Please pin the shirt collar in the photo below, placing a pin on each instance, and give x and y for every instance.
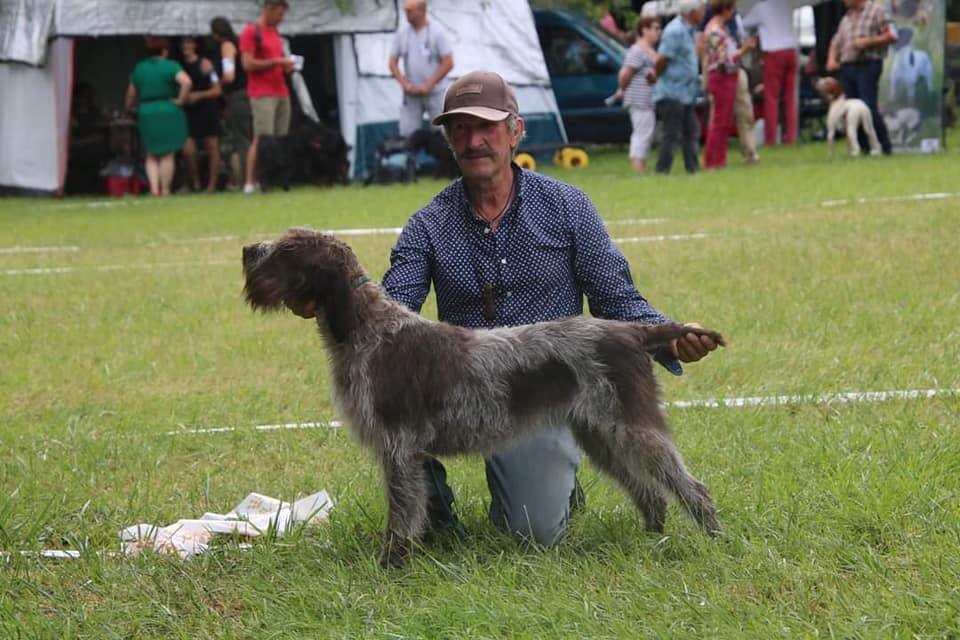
(520, 184)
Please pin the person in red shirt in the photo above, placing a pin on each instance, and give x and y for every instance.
(262, 57)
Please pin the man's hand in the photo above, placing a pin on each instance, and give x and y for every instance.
(287, 65)
(692, 347)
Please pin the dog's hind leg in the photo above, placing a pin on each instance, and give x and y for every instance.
(852, 132)
(871, 132)
(655, 452)
(406, 507)
(646, 494)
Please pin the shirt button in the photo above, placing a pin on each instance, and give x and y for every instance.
(486, 230)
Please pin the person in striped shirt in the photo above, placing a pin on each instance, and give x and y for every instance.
(635, 88)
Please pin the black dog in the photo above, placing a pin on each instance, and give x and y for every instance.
(311, 154)
(432, 142)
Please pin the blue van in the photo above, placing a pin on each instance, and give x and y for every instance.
(583, 61)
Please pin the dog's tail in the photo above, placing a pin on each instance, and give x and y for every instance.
(659, 336)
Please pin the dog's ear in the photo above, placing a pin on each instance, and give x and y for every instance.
(319, 274)
(338, 305)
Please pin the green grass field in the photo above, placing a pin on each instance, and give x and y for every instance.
(841, 520)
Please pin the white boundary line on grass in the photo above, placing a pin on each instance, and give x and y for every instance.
(40, 271)
(611, 223)
(51, 249)
(903, 198)
(849, 397)
(112, 267)
(829, 398)
(912, 197)
(661, 238)
(288, 426)
(368, 231)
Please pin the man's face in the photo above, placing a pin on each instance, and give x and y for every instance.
(481, 147)
(273, 14)
(416, 12)
(698, 14)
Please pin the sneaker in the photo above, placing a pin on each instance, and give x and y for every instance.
(249, 188)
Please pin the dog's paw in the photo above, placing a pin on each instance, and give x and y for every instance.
(394, 553)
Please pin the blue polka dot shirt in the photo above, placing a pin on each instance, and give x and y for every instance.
(548, 251)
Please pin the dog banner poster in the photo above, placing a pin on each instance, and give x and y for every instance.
(911, 87)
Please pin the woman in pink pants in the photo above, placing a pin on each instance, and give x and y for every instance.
(774, 20)
(722, 67)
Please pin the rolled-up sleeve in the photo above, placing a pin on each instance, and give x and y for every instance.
(408, 279)
(603, 272)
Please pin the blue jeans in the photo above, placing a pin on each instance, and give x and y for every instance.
(679, 126)
(532, 485)
(862, 80)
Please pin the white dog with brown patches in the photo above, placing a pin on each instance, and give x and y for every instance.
(848, 114)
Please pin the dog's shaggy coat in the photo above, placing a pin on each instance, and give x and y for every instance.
(409, 386)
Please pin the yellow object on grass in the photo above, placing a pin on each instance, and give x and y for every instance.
(526, 161)
(571, 158)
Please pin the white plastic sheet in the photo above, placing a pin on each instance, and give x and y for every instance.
(254, 516)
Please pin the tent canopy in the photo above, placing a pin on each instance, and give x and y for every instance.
(27, 25)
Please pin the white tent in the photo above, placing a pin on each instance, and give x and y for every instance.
(37, 54)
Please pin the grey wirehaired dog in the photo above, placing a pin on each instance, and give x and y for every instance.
(409, 386)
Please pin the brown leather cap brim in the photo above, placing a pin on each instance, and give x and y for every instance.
(484, 113)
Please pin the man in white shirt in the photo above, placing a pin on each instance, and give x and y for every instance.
(427, 59)
(778, 42)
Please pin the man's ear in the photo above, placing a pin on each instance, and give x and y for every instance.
(518, 134)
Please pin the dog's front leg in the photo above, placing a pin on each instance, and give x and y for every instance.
(406, 507)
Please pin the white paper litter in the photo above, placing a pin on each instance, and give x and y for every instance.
(253, 516)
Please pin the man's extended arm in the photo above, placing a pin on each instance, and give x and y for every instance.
(604, 276)
(408, 279)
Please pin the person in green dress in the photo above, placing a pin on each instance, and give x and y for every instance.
(159, 87)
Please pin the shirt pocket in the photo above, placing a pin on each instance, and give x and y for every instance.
(544, 265)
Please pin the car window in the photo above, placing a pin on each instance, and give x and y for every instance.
(568, 53)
